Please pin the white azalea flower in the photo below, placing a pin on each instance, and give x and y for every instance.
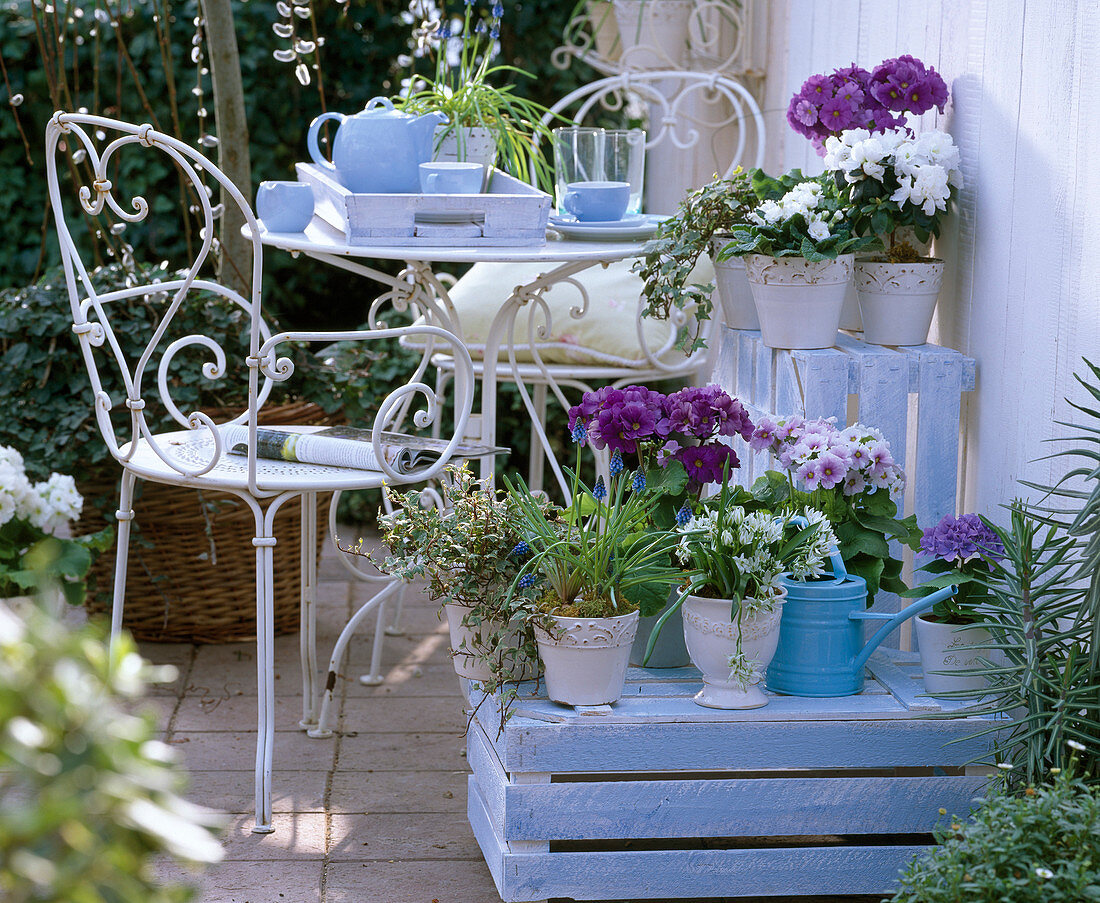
(818, 230)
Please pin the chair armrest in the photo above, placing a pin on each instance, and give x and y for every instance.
(395, 405)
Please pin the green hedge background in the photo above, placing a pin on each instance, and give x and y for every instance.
(363, 39)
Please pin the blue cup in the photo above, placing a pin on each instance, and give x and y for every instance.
(284, 206)
(592, 202)
(448, 177)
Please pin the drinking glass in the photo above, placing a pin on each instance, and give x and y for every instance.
(599, 155)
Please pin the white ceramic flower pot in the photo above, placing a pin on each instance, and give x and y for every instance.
(849, 313)
(466, 145)
(798, 301)
(605, 29)
(467, 642)
(941, 649)
(654, 33)
(712, 638)
(586, 658)
(897, 300)
(734, 291)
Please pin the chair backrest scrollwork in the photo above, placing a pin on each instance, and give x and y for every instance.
(103, 142)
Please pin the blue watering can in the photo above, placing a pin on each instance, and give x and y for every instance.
(821, 651)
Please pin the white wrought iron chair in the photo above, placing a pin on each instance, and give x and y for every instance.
(196, 455)
(682, 110)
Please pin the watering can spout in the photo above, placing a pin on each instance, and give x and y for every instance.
(894, 621)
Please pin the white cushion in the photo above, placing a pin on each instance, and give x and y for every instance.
(606, 334)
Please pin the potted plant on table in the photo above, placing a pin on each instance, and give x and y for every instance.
(465, 545)
(595, 566)
(736, 550)
(680, 442)
(799, 253)
(899, 188)
(485, 123)
(951, 637)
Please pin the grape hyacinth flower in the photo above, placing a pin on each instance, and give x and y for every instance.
(616, 466)
(521, 549)
(638, 485)
(526, 581)
(683, 516)
(599, 491)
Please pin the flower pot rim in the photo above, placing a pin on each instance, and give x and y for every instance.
(630, 614)
(924, 261)
(929, 618)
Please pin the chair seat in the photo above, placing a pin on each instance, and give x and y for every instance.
(193, 448)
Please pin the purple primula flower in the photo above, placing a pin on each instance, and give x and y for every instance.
(809, 475)
(667, 452)
(764, 436)
(817, 86)
(831, 470)
(837, 114)
(707, 463)
(804, 111)
(961, 539)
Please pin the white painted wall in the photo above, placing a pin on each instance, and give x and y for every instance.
(1022, 291)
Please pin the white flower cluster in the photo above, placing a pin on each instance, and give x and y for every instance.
(802, 200)
(926, 167)
(48, 505)
(752, 542)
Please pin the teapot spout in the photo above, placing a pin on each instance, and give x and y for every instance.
(894, 621)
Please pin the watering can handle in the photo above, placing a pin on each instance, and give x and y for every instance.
(893, 621)
(835, 559)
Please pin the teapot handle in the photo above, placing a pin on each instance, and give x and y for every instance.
(378, 102)
(311, 139)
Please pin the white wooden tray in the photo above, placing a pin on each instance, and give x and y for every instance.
(512, 213)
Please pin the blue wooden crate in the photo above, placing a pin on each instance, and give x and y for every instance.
(657, 798)
(915, 395)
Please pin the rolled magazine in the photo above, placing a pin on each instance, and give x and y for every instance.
(347, 446)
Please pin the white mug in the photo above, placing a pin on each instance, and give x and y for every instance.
(446, 177)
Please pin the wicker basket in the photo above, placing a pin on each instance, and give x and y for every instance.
(192, 567)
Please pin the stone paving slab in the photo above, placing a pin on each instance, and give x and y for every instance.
(373, 815)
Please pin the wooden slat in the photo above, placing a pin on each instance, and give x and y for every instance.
(935, 470)
(492, 847)
(492, 781)
(664, 874)
(824, 382)
(597, 746)
(757, 807)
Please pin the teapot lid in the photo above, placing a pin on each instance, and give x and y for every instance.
(383, 108)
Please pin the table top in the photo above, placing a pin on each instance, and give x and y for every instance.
(321, 237)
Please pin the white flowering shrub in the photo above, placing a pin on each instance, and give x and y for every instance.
(31, 515)
(809, 221)
(893, 183)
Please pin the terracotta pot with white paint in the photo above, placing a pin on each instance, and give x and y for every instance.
(942, 649)
(897, 300)
(712, 639)
(734, 291)
(586, 658)
(799, 301)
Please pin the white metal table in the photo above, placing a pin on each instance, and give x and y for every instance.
(419, 288)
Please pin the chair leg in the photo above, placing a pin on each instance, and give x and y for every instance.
(536, 462)
(394, 628)
(374, 678)
(124, 515)
(265, 672)
(308, 634)
(378, 600)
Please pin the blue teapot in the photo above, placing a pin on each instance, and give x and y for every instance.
(379, 150)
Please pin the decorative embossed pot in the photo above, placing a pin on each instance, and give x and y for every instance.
(944, 647)
(799, 301)
(712, 638)
(586, 658)
(470, 644)
(896, 300)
